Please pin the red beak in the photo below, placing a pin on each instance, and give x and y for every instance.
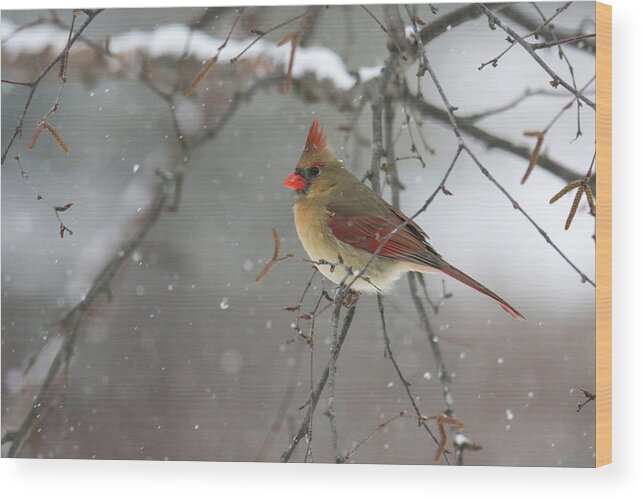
(295, 182)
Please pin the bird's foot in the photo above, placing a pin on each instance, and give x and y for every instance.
(350, 298)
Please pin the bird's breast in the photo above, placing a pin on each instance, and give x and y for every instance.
(313, 231)
(320, 244)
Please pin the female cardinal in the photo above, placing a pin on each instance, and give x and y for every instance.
(338, 218)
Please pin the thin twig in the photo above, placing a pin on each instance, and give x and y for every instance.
(488, 139)
(332, 373)
(383, 28)
(56, 209)
(205, 70)
(77, 315)
(458, 134)
(443, 373)
(473, 118)
(418, 43)
(261, 34)
(303, 429)
(563, 55)
(33, 84)
(563, 41)
(517, 14)
(380, 427)
(494, 61)
(540, 135)
(407, 386)
(556, 79)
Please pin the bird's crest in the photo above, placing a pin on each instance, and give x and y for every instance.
(316, 140)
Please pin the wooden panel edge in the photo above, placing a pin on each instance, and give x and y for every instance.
(603, 234)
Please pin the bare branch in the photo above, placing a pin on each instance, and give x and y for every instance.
(205, 70)
(490, 140)
(556, 79)
(563, 55)
(33, 84)
(512, 43)
(394, 39)
(378, 429)
(516, 14)
(407, 386)
(458, 134)
(563, 41)
(74, 320)
(540, 135)
(76, 317)
(303, 429)
(260, 34)
(332, 373)
(56, 209)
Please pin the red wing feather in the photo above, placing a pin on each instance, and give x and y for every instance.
(409, 244)
(367, 231)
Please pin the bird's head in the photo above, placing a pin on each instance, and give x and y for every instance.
(318, 170)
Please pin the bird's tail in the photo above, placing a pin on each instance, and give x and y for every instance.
(450, 270)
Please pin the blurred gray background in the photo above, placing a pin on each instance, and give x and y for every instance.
(194, 360)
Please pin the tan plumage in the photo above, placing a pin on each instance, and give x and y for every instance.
(338, 218)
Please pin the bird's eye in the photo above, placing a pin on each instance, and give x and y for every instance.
(314, 171)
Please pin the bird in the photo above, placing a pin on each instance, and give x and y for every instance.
(341, 220)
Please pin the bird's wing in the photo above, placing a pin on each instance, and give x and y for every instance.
(366, 232)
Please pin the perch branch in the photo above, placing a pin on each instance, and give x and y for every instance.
(303, 429)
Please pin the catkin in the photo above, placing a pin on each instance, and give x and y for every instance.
(590, 197)
(200, 76)
(572, 212)
(36, 135)
(57, 137)
(534, 155)
(565, 190)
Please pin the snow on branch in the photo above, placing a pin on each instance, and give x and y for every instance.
(169, 41)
